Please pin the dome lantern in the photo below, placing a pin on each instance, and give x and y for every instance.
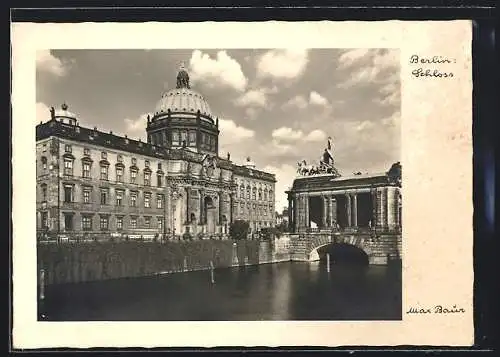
(182, 78)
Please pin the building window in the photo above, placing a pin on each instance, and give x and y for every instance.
(68, 193)
(133, 222)
(147, 200)
(119, 174)
(175, 137)
(242, 191)
(86, 151)
(134, 161)
(159, 180)
(119, 158)
(192, 138)
(265, 194)
(86, 195)
(159, 222)
(242, 208)
(119, 223)
(68, 221)
(248, 192)
(67, 148)
(133, 199)
(133, 176)
(104, 223)
(104, 196)
(159, 201)
(260, 194)
(86, 223)
(159, 166)
(104, 155)
(270, 195)
(104, 172)
(44, 163)
(119, 197)
(45, 220)
(254, 193)
(147, 179)
(146, 163)
(44, 147)
(68, 167)
(44, 192)
(183, 137)
(147, 222)
(86, 169)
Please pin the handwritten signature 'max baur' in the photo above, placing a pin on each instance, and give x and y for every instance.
(438, 309)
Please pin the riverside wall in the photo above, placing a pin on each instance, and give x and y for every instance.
(72, 262)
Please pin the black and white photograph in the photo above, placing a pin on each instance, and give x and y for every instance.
(218, 184)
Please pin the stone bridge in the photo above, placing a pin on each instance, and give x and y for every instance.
(380, 248)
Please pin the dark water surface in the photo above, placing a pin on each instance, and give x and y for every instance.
(282, 291)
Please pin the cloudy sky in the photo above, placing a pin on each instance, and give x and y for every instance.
(276, 106)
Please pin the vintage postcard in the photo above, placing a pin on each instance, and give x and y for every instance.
(242, 184)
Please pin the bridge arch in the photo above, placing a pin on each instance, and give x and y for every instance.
(318, 243)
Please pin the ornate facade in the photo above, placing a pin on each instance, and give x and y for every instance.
(320, 200)
(90, 182)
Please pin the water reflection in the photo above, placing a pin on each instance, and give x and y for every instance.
(284, 291)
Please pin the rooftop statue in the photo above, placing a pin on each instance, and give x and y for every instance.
(325, 165)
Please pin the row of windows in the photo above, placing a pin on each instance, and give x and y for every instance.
(134, 222)
(104, 155)
(104, 197)
(256, 194)
(261, 210)
(104, 172)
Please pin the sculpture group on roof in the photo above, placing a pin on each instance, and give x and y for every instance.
(326, 164)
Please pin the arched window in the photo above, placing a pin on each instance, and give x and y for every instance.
(242, 191)
(44, 163)
(265, 194)
(248, 192)
(260, 194)
(254, 193)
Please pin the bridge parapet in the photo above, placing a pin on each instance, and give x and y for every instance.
(380, 248)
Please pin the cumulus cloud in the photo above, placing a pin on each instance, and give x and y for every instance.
(285, 174)
(368, 66)
(296, 102)
(136, 128)
(287, 134)
(256, 97)
(46, 62)
(315, 135)
(317, 99)
(286, 64)
(223, 69)
(42, 113)
(233, 133)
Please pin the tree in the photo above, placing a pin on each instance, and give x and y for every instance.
(238, 230)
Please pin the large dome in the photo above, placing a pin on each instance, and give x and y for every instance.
(183, 100)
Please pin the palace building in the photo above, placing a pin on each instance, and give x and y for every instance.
(92, 183)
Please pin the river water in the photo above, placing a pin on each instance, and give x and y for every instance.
(281, 291)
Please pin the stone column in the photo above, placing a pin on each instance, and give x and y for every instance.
(231, 203)
(333, 211)
(325, 211)
(374, 208)
(306, 206)
(330, 211)
(289, 212)
(348, 209)
(201, 219)
(386, 207)
(221, 199)
(392, 207)
(295, 218)
(354, 210)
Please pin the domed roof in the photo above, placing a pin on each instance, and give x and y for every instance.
(183, 98)
(63, 112)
